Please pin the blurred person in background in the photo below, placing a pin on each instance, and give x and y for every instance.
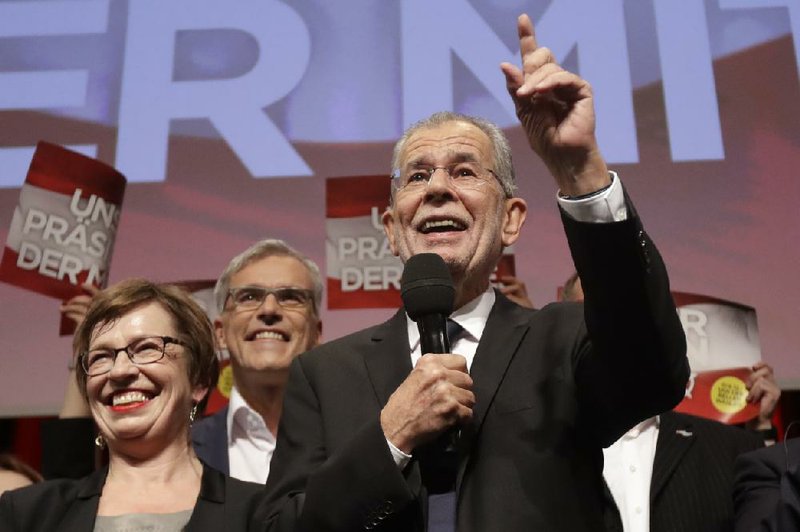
(767, 488)
(14, 473)
(674, 471)
(514, 289)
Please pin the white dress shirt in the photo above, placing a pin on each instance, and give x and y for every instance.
(605, 207)
(250, 443)
(472, 318)
(628, 470)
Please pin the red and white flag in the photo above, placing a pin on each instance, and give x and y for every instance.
(361, 270)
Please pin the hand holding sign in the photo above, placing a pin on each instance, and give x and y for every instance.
(764, 391)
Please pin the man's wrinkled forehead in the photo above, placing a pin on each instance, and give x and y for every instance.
(451, 156)
(451, 142)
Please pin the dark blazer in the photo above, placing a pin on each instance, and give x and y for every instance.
(548, 398)
(692, 480)
(767, 489)
(210, 440)
(224, 503)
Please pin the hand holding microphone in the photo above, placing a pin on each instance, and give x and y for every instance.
(437, 394)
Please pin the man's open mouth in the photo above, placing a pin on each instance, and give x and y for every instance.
(441, 226)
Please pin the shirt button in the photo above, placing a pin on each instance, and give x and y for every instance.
(638, 509)
(632, 468)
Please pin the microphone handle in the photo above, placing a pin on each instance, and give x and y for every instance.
(433, 339)
(433, 334)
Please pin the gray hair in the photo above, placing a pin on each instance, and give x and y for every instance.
(270, 247)
(503, 166)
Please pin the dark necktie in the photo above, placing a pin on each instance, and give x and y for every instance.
(454, 331)
(439, 465)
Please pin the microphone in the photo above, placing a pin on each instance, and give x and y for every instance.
(428, 294)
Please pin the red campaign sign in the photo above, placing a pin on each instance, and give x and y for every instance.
(720, 334)
(346, 197)
(722, 345)
(63, 228)
(362, 272)
(720, 395)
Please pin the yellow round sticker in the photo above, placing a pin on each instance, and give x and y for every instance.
(225, 381)
(729, 394)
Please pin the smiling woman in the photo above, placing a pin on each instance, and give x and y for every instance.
(148, 360)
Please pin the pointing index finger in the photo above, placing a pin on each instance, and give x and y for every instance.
(527, 36)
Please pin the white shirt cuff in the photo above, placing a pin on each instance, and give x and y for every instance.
(400, 458)
(606, 207)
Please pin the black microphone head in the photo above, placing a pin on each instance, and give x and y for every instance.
(427, 286)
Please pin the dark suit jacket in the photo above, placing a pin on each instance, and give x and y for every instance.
(692, 478)
(224, 503)
(547, 398)
(767, 489)
(210, 440)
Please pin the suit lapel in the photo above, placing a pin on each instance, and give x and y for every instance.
(209, 509)
(504, 331)
(505, 328)
(83, 512)
(389, 361)
(675, 437)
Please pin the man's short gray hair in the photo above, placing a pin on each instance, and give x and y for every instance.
(503, 166)
(270, 247)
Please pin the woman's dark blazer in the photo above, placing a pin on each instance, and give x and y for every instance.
(69, 505)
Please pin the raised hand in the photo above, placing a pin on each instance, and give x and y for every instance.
(556, 109)
(76, 307)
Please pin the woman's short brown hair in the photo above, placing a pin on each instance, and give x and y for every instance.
(191, 324)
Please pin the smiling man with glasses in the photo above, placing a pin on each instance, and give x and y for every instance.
(268, 298)
(532, 396)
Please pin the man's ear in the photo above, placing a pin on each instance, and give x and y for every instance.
(514, 218)
(388, 228)
(219, 333)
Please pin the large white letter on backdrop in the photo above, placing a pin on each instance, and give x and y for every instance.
(151, 98)
(598, 33)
